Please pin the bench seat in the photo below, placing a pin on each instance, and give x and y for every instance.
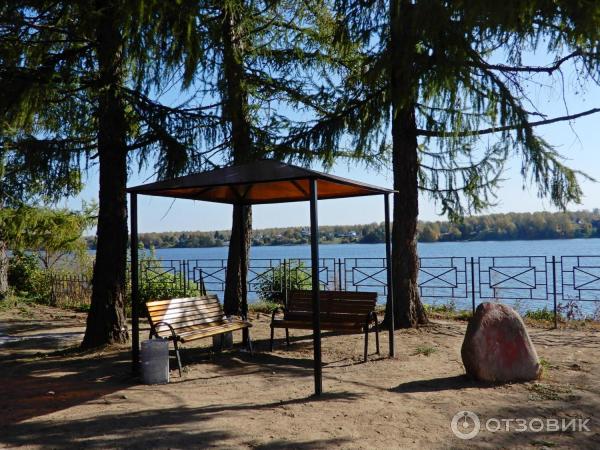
(344, 312)
(199, 332)
(187, 319)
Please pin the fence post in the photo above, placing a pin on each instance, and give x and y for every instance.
(340, 274)
(473, 283)
(284, 283)
(554, 290)
(184, 274)
(53, 300)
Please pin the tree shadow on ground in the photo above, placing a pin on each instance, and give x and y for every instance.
(552, 338)
(306, 445)
(299, 339)
(18, 342)
(538, 434)
(456, 382)
(46, 341)
(240, 363)
(39, 386)
(168, 427)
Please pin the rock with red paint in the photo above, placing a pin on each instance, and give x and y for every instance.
(497, 347)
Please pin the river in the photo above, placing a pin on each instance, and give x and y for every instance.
(521, 273)
(558, 247)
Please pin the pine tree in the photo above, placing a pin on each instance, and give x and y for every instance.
(428, 87)
(264, 59)
(79, 78)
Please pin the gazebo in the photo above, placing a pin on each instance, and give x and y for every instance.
(262, 182)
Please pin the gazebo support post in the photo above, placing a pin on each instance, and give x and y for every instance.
(243, 276)
(135, 315)
(388, 261)
(314, 253)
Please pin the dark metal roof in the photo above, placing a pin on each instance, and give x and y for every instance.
(265, 181)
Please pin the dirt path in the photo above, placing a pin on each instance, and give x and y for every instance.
(234, 400)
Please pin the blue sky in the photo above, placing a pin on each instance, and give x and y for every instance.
(577, 141)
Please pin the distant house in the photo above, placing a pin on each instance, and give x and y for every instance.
(349, 234)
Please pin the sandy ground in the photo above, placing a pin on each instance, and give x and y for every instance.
(67, 399)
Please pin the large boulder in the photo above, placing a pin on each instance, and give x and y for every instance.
(497, 347)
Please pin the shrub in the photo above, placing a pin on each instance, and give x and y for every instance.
(263, 306)
(540, 314)
(21, 270)
(161, 285)
(28, 279)
(570, 309)
(270, 288)
(444, 308)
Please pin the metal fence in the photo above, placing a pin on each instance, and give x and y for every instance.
(566, 285)
(69, 290)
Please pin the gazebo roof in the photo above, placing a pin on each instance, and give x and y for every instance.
(265, 181)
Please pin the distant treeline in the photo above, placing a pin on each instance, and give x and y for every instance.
(503, 227)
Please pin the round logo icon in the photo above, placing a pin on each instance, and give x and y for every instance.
(465, 425)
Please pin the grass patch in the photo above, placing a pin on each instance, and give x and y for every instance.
(449, 307)
(546, 365)
(542, 443)
(82, 307)
(542, 391)
(446, 311)
(425, 350)
(18, 304)
(263, 306)
(543, 314)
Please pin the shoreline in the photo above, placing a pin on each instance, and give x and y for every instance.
(381, 243)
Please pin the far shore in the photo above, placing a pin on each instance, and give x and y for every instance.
(382, 242)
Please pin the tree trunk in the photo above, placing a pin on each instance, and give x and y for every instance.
(235, 111)
(106, 320)
(409, 311)
(3, 270)
(233, 285)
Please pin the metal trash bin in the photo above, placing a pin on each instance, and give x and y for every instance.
(222, 342)
(155, 361)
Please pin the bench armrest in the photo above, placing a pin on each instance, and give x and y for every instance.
(234, 317)
(162, 322)
(371, 317)
(275, 311)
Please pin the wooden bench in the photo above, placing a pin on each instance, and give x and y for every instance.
(346, 312)
(187, 319)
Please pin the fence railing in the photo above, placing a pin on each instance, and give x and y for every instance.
(69, 290)
(567, 285)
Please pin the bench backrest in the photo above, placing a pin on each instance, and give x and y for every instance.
(333, 302)
(182, 313)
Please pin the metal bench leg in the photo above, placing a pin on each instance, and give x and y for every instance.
(366, 342)
(177, 355)
(374, 317)
(245, 336)
(250, 349)
(287, 336)
(272, 336)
